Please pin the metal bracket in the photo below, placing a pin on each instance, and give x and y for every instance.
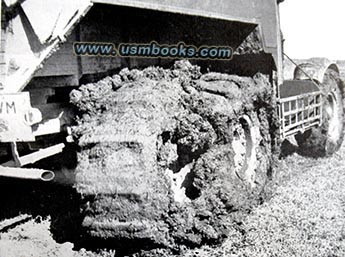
(33, 157)
(15, 155)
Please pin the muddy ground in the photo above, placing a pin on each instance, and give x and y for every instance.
(304, 215)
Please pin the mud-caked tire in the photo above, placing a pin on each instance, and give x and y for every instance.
(326, 139)
(252, 146)
(170, 155)
(237, 172)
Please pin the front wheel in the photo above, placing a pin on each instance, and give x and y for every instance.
(326, 139)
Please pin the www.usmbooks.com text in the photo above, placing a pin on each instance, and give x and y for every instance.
(153, 50)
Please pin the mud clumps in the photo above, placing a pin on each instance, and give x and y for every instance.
(156, 160)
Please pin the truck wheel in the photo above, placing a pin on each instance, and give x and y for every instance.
(170, 155)
(252, 154)
(246, 146)
(326, 139)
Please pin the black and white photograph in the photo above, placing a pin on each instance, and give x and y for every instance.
(172, 128)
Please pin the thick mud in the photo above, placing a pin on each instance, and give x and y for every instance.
(157, 167)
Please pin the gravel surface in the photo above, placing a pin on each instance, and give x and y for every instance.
(305, 215)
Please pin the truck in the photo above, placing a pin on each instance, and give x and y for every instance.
(161, 156)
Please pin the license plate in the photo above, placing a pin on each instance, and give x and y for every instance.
(16, 117)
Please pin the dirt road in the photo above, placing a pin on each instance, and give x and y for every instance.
(304, 216)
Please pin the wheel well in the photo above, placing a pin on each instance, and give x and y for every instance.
(334, 67)
(316, 69)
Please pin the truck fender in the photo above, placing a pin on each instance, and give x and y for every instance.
(315, 69)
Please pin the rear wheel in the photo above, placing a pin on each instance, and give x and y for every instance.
(166, 162)
(246, 144)
(326, 139)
